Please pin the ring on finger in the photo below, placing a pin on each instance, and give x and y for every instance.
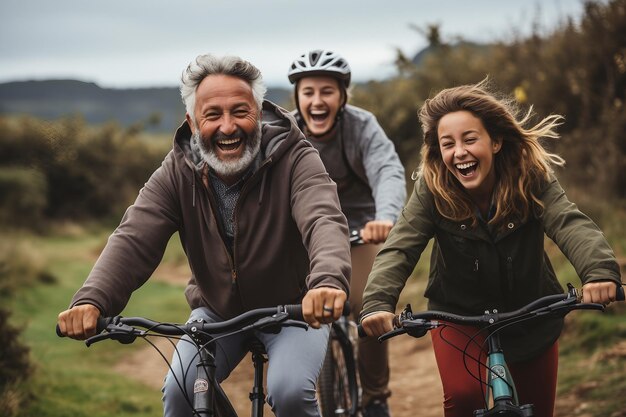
(328, 309)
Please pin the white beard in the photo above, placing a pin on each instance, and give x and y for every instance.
(229, 168)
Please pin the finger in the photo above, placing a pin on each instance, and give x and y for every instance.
(307, 311)
(89, 325)
(338, 306)
(366, 234)
(61, 323)
(318, 309)
(612, 293)
(587, 294)
(366, 324)
(75, 329)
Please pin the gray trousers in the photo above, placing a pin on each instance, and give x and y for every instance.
(295, 357)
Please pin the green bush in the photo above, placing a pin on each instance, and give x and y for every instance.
(24, 196)
(67, 170)
(15, 368)
(21, 265)
(577, 70)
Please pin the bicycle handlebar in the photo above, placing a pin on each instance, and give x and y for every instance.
(257, 318)
(121, 328)
(417, 324)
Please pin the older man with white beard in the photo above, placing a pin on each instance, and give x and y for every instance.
(261, 225)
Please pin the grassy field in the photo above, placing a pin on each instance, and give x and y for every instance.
(71, 380)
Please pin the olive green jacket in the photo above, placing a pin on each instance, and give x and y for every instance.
(473, 268)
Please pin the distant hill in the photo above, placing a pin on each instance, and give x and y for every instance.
(419, 58)
(52, 99)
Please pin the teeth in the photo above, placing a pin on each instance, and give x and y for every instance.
(229, 141)
(318, 112)
(465, 165)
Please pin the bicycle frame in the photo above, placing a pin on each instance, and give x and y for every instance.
(341, 333)
(209, 399)
(500, 385)
(338, 384)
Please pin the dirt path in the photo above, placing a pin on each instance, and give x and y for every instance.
(414, 383)
(414, 377)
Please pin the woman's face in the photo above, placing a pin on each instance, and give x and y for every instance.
(319, 99)
(468, 152)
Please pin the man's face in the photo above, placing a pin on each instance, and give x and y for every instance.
(228, 124)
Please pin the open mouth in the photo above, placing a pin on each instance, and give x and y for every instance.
(466, 169)
(319, 115)
(229, 144)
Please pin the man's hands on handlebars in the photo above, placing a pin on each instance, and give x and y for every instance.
(376, 231)
(323, 305)
(378, 323)
(79, 322)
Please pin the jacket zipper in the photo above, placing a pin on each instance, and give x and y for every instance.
(233, 271)
(244, 189)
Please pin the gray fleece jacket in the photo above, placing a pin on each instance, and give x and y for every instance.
(370, 155)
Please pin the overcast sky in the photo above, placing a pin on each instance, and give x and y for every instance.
(144, 43)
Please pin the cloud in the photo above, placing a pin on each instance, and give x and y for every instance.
(149, 42)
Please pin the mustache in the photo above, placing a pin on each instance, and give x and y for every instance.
(238, 133)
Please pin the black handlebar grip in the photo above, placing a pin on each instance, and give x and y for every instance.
(346, 309)
(620, 293)
(102, 323)
(361, 331)
(294, 311)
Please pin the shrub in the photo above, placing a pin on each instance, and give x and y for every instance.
(15, 367)
(23, 193)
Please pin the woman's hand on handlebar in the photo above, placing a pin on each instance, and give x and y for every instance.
(376, 231)
(379, 323)
(601, 292)
(79, 322)
(323, 305)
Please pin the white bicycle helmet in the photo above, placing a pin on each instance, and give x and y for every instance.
(320, 62)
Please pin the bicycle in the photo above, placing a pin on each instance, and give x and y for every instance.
(209, 398)
(338, 384)
(500, 388)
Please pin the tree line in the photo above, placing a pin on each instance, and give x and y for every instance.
(578, 71)
(68, 170)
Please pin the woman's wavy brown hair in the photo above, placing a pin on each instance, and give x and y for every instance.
(521, 165)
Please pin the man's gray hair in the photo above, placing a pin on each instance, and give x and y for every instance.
(205, 65)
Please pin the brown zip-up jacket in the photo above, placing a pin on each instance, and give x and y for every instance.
(290, 234)
(473, 269)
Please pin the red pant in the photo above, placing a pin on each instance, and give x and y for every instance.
(535, 379)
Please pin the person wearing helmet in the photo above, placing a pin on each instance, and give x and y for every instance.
(363, 162)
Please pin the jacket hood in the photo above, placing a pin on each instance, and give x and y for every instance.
(279, 131)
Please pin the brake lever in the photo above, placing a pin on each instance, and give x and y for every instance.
(296, 323)
(418, 328)
(591, 306)
(97, 338)
(119, 332)
(393, 333)
(271, 324)
(123, 338)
